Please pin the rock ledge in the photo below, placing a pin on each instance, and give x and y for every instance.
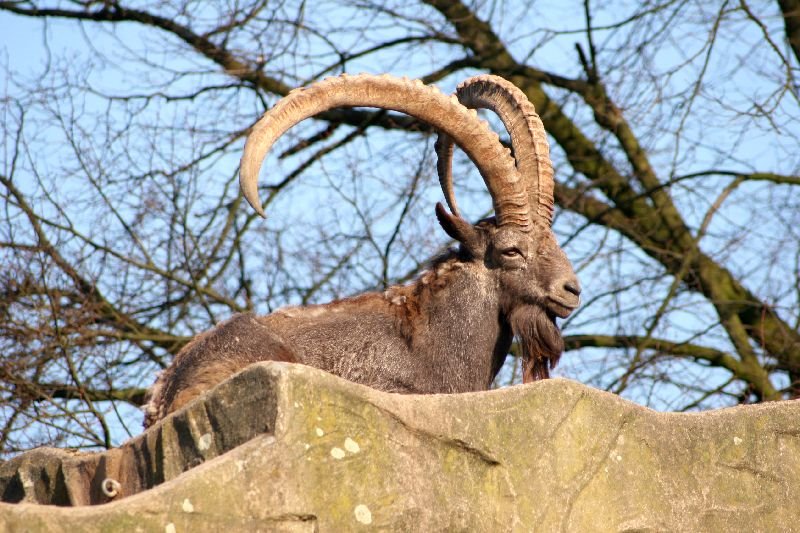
(284, 447)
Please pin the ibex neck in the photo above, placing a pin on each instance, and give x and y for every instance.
(460, 329)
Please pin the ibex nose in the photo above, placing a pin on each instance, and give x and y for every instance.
(573, 286)
(571, 292)
(565, 295)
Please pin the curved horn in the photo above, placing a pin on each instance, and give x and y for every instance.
(528, 138)
(444, 168)
(427, 103)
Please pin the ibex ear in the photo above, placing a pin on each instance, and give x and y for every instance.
(458, 228)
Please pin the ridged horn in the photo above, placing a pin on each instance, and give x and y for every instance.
(427, 103)
(444, 147)
(528, 139)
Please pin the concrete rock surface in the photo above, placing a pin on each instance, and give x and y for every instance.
(283, 447)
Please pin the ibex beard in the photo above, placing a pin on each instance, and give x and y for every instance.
(539, 338)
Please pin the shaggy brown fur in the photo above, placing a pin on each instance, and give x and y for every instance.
(222, 351)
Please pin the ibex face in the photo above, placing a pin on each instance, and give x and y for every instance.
(534, 270)
(530, 267)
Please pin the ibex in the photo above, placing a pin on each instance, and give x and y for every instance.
(450, 329)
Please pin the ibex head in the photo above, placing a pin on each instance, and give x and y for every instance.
(516, 249)
(536, 279)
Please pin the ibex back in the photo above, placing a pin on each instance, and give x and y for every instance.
(449, 330)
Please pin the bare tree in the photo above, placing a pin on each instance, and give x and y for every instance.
(674, 128)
